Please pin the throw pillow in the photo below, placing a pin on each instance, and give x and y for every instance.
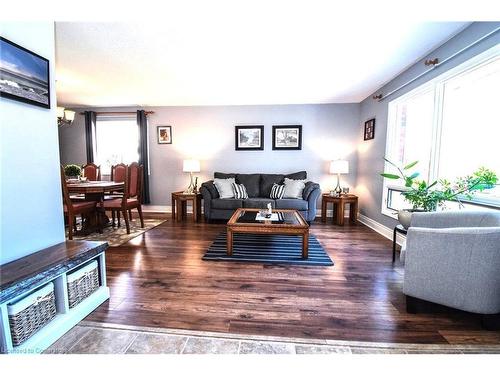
(239, 191)
(294, 188)
(251, 182)
(267, 181)
(277, 191)
(224, 187)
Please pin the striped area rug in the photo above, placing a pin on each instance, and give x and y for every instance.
(274, 249)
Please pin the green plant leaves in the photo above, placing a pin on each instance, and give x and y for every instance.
(390, 175)
(411, 165)
(429, 196)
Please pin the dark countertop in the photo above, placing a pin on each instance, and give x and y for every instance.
(34, 270)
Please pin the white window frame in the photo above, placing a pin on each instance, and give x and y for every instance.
(437, 85)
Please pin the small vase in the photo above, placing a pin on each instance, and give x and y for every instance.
(404, 216)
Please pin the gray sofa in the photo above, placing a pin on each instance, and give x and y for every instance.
(258, 186)
(453, 259)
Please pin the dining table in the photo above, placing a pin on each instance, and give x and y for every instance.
(95, 191)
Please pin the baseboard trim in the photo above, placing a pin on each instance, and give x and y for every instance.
(151, 208)
(381, 229)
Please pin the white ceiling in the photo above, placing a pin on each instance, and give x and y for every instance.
(221, 60)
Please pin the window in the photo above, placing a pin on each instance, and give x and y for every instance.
(117, 141)
(451, 125)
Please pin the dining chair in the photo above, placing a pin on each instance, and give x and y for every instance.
(92, 172)
(73, 208)
(118, 174)
(132, 196)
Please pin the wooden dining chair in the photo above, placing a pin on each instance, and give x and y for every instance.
(118, 172)
(92, 172)
(132, 196)
(73, 208)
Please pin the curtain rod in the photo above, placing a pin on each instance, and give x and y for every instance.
(436, 65)
(118, 113)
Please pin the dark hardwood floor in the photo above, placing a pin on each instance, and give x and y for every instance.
(159, 280)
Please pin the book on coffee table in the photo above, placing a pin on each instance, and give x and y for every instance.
(275, 216)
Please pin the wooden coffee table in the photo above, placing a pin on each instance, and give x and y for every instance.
(243, 221)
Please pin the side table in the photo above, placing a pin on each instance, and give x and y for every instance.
(397, 229)
(179, 205)
(339, 207)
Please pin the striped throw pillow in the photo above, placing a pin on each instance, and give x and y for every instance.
(277, 191)
(240, 192)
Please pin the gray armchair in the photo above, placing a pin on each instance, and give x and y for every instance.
(453, 259)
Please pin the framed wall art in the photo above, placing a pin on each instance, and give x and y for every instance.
(249, 137)
(369, 129)
(287, 137)
(164, 134)
(24, 75)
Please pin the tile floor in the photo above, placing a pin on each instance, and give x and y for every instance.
(98, 338)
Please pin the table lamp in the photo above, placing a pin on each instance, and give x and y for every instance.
(191, 165)
(339, 167)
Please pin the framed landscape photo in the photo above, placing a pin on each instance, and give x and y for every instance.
(24, 75)
(164, 134)
(249, 137)
(369, 129)
(287, 137)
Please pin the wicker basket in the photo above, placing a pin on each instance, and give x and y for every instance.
(31, 313)
(82, 283)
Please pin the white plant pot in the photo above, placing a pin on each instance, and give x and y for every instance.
(404, 217)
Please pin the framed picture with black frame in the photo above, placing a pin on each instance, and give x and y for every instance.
(369, 129)
(24, 75)
(164, 134)
(287, 137)
(249, 138)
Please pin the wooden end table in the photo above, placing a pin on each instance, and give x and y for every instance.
(179, 205)
(243, 221)
(339, 207)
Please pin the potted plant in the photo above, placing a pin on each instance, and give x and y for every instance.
(72, 171)
(425, 196)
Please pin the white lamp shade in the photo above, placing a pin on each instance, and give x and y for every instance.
(69, 115)
(60, 112)
(339, 166)
(191, 165)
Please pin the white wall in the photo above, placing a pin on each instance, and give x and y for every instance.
(31, 203)
(207, 132)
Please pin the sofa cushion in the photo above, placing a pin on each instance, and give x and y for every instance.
(251, 182)
(293, 204)
(224, 175)
(224, 187)
(294, 188)
(302, 175)
(227, 204)
(267, 181)
(209, 185)
(258, 203)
